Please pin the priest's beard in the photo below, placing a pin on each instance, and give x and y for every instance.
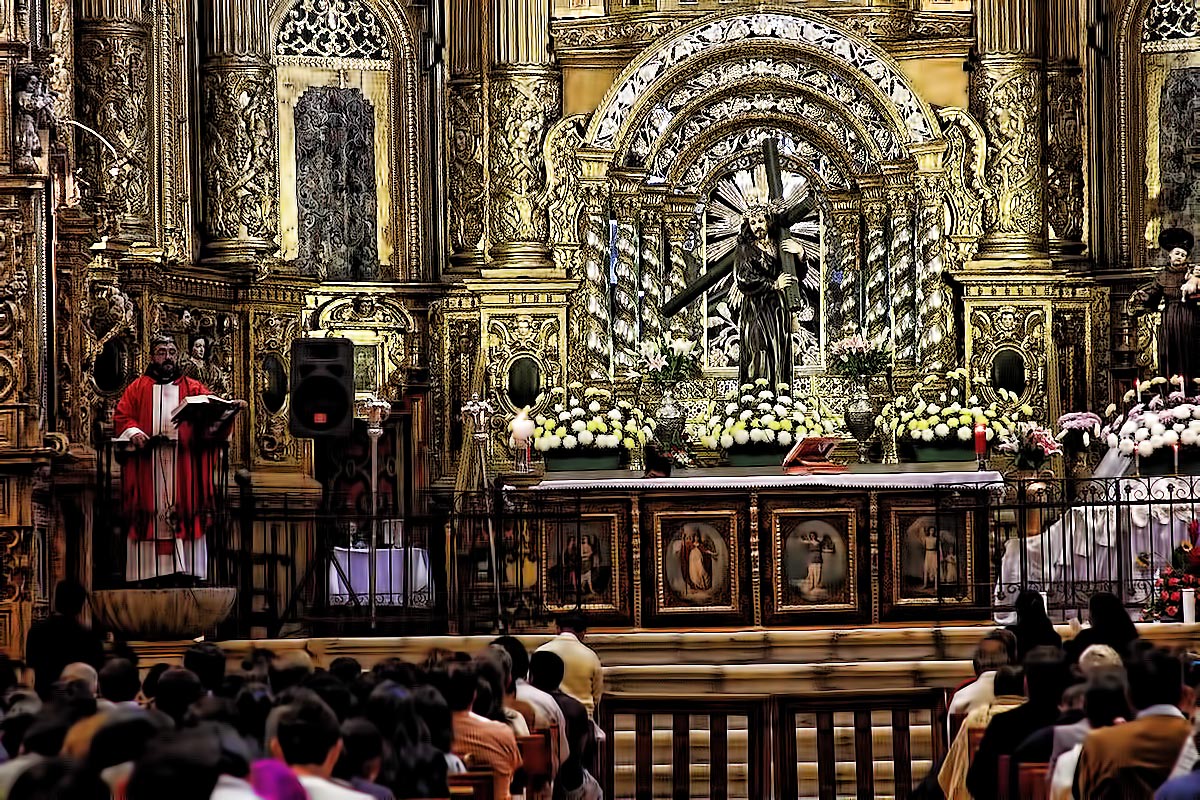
(166, 372)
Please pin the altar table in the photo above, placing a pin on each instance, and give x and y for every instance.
(756, 547)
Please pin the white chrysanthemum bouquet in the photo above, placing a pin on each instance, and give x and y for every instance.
(1162, 416)
(949, 417)
(755, 417)
(588, 419)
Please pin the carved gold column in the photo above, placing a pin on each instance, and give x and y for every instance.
(653, 323)
(626, 207)
(1065, 130)
(847, 215)
(878, 303)
(466, 128)
(1007, 96)
(525, 101)
(902, 283)
(678, 216)
(936, 342)
(239, 140)
(593, 322)
(112, 85)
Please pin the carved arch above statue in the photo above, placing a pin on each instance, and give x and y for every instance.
(806, 36)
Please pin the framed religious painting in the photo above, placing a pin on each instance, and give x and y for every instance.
(582, 563)
(697, 570)
(811, 557)
(929, 552)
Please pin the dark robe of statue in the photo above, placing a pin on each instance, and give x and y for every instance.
(1179, 330)
(765, 325)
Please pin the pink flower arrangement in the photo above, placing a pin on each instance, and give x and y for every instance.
(1032, 444)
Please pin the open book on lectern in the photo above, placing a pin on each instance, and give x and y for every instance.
(205, 412)
(811, 455)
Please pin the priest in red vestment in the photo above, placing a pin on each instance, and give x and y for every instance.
(168, 472)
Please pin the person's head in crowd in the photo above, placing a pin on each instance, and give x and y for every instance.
(1010, 682)
(150, 682)
(57, 779)
(1099, 657)
(46, 735)
(420, 772)
(119, 681)
(435, 713)
(121, 741)
(362, 751)
(84, 673)
(336, 694)
(995, 650)
(1045, 675)
(212, 709)
(517, 655)
(69, 598)
(1110, 619)
(289, 668)
(1106, 701)
(392, 710)
(572, 622)
(254, 703)
(305, 735)
(346, 669)
(490, 669)
(22, 700)
(73, 698)
(460, 686)
(437, 658)
(177, 689)
(256, 666)
(78, 740)
(9, 670)
(12, 731)
(1155, 678)
(179, 766)
(399, 671)
(1072, 698)
(546, 671)
(208, 662)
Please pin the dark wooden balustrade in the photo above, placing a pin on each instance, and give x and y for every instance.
(823, 706)
(718, 709)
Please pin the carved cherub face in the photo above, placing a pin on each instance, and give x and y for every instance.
(199, 348)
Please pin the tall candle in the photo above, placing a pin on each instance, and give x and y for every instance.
(1175, 447)
(980, 440)
(1189, 606)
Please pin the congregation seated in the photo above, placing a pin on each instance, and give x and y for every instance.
(546, 672)
(1033, 627)
(1109, 624)
(1105, 703)
(1009, 688)
(996, 650)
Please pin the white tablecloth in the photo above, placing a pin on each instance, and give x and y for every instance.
(1085, 545)
(402, 576)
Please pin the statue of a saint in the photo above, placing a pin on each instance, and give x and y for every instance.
(760, 281)
(1170, 291)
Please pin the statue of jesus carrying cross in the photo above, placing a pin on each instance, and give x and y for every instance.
(768, 268)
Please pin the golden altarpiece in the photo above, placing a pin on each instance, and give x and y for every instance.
(472, 189)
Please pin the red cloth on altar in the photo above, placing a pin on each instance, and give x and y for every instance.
(195, 465)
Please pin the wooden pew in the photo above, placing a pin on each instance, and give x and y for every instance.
(1003, 768)
(536, 756)
(974, 738)
(1033, 781)
(956, 723)
(480, 784)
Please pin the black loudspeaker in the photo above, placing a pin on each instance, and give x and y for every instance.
(322, 402)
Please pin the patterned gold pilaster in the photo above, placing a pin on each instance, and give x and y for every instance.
(625, 298)
(878, 303)
(112, 96)
(936, 342)
(239, 141)
(900, 266)
(653, 323)
(847, 215)
(679, 216)
(593, 321)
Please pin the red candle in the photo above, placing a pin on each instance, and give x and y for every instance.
(980, 439)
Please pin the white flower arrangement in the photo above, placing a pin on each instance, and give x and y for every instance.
(754, 416)
(952, 415)
(1163, 420)
(588, 419)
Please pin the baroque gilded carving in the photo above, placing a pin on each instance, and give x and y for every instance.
(591, 319)
(112, 92)
(32, 113)
(272, 335)
(966, 154)
(512, 337)
(207, 340)
(1064, 155)
(1007, 95)
(467, 198)
(1019, 328)
(564, 172)
(240, 172)
(334, 29)
(524, 105)
(387, 338)
(937, 343)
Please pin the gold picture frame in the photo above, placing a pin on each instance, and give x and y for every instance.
(707, 541)
(602, 579)
(932, 555)
(824, 542)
